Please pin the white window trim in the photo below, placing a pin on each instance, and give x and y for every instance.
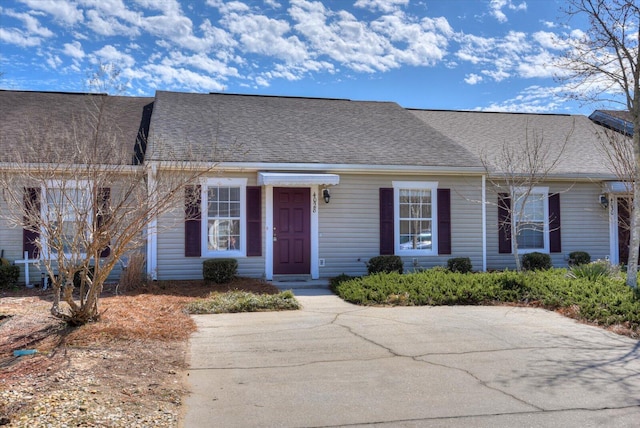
(44, 209)
(223, 182)
(431, 185)
(540, 190)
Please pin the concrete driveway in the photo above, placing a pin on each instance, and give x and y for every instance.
(336, 364)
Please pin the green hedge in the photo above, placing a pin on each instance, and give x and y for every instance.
(606, 301)
(385, 264)
(219, 271)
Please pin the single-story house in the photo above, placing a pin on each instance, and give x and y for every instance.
(310, 187)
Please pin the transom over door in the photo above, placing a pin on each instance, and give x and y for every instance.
(291, 231)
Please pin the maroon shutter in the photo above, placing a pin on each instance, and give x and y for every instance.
(30, 234)
(254, 221)
(555, 241)
(386, 221)
(192, 222)
(104, 201)
(504, 223)
(444, 221)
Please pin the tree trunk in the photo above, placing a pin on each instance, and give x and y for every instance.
(634, 237)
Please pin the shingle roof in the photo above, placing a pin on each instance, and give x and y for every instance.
(53, 126)
(485, 133)
(287, 130)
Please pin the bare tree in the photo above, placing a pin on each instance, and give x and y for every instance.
(513, 172)
(86, 197)
(602, 65)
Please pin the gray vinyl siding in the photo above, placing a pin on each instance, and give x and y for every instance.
(172, 264)
(584, 225)
(350, 230)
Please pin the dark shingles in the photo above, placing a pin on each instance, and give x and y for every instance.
(288, 130)
(485, 133)
(66, 127)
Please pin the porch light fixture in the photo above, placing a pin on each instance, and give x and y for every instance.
(326, 195)
(604, 201)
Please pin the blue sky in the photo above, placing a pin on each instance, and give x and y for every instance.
(493, 55)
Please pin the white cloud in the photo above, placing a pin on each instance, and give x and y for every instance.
(473, 79)
(109, 25)
(109, 54)
(62, 10)
(165, 76)
(534, 99)
(74, 50)
(53, 61)
(202, 62)
(496, 6)
(266, 36)
(31, 24)
(382, 5)
(16, 37)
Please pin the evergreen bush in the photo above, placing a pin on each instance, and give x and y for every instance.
(536, 261)
(386, 264)
(460, 264)
(219, 271)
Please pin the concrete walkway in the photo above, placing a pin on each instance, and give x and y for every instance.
(336, 364)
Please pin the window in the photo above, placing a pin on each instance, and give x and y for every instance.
(223, 223)
(531, 214)
(68, 216)
(416, 206)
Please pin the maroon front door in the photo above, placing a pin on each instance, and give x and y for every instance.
(291, 231)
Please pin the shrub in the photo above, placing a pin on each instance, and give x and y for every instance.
(593, 271)
(579, 258)
(460, 264)
(536, 261)
(219, 271)
(384, 264)
(336, 281)
(8, 275)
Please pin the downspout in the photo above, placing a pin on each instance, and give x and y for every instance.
(152, 226)
(484, 223)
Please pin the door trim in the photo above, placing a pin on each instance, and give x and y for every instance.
(314, 208)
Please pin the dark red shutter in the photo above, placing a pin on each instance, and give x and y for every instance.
(444, 221)
(192, 221)
(504, 223)
(254, 221)
(386, 221)
(104, 202)
(30, 233)
(555, 241)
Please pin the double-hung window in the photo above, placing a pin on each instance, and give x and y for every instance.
(531, 219)
(416, 222)
(223, 203)
(68, 217)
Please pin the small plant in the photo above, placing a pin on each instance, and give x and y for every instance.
(219, 271)
(536, 261)
(460, 264)
(593, 271)
(8, 275)
(384, 264)
(579, 258)
(243, 301)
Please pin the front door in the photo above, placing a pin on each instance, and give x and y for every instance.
(291, 231)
